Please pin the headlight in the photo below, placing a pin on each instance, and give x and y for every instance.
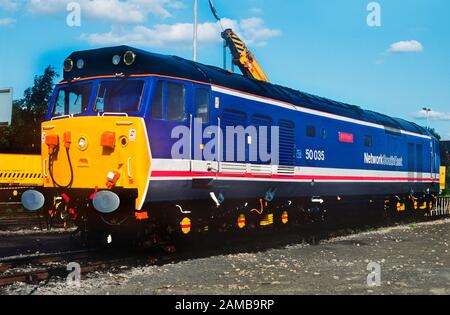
(68, 65)
(129, 58)
(116, 60)
(82, 143)
(80, 64)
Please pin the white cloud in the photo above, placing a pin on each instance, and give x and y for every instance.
(129, 11)
(406, 47)
(9, 5)
(7, 22)
(255, 32)
(160, 35)
(422, 115)
(256, 11)
(179, 35)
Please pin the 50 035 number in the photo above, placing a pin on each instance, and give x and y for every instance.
(315, 155)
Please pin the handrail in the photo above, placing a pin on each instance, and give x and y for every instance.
(44, 167)
(219, 151)
(114, 114)
(62, 117)
(129, 168)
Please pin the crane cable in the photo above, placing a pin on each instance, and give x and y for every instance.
(216, 15)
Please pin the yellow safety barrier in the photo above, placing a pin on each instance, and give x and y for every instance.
(21, 170)
(443, 176)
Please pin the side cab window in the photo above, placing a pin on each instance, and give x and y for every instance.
(202, 105)
(169, 101)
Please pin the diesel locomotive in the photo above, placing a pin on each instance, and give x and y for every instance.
(138, 141)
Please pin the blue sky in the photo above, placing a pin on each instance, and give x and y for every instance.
(323, 47)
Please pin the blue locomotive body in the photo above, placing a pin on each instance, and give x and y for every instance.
(325, 148)
(321, 154)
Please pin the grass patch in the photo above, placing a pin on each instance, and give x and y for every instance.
(413, 225)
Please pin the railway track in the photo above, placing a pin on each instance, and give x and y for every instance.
(35, 269)
(17, 221)
(14, 224)
(22, 261)
(30, 269)
(38, 268)
(13, 218)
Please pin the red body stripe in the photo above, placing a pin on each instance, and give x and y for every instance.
(297, 177)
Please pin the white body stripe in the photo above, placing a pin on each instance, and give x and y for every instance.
(280, 180)
(167, 165)
(306, 110)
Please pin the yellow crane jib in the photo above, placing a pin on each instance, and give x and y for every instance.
(243, 57)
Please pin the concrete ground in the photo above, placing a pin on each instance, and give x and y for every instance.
(414, 259)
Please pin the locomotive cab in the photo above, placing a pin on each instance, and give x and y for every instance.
(94, 140)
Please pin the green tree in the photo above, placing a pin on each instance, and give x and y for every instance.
(24, 134)
(435, 133)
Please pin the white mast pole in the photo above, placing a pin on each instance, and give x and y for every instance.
(195, 29)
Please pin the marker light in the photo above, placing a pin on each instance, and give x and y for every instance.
(82, 143)
(129, 58)
(108, 140)
(80, 64)
(52, 141)
(68, 65)
(67, 139)
(112, 178)
(116, 60)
